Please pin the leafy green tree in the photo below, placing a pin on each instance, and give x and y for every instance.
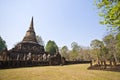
(39, 40)
(2, 44)
(109, 10)
(51, 47)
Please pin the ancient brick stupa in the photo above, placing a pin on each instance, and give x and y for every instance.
(28, 48)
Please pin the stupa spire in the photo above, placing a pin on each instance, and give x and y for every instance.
(31, 25)
(30, 34)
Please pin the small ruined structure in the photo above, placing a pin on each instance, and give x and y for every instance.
(56, 59)
(28, 48)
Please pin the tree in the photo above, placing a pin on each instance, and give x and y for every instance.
(99, 49)
(75, 46)
(2, 44)
(75, 51)
(51, 47)
(111, 44)
(117, 37)
(39, 40)
(108, 39)
(85, 54)
(95, 45)
(64, 52)
(110, 13)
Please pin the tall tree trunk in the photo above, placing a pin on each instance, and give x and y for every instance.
(114, 62)
(115, 59)
(105, 65)
(98, 62)
(110, 63)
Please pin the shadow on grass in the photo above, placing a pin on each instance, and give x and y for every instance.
(23, 64)
(108, 68)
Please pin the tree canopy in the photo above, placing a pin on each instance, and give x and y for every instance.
(109, 10)
(96, 44)
(51, 47)
(2, 44)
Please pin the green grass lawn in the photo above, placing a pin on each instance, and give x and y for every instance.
(67, 72)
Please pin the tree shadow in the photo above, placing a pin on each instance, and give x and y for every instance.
(108, 68)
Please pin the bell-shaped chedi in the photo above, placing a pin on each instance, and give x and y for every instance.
(28, 45)
(30, 36)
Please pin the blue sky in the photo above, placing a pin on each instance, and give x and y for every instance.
(64, 21)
